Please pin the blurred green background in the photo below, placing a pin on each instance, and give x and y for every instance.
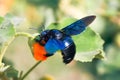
(32, 15)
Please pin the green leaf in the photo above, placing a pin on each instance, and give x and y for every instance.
(11, 72)
(6, 31)
(89, 44)
(1, 19)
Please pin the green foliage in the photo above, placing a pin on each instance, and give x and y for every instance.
(7, 30)
(52, 4)
(1, 19)
(7, 33)
(89, 46)
(111, 66)
(11, 73)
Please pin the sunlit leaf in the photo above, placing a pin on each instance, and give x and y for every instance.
(1, 19)
(6, 30)
(89, 45)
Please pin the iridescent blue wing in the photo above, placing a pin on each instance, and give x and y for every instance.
(78, 26)
(53, 45)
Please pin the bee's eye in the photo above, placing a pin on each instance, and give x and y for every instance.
(44, 32)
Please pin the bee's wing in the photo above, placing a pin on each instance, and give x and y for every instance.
(78, 26)
(53, 45)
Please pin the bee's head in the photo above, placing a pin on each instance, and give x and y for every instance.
(43, 37)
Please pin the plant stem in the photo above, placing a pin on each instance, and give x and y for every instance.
(34, 66)
(19, 78)
(30, 37)
(4, 48)
(6, 44)
(23, 34)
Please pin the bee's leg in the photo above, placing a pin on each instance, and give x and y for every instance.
(49, 54)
